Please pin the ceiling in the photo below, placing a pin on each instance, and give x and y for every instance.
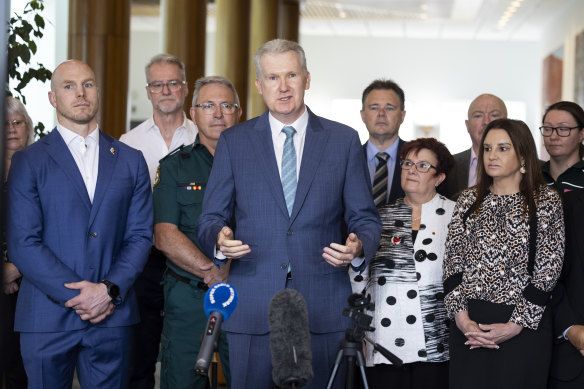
(431, 19)
(514, 20)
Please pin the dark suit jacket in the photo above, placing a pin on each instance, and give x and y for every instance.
(396, 191)
(57, 235)
(568, 296)
(333, 188)
(457, 177)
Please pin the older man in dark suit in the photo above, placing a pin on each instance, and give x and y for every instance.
(293, 181)
(483, 110)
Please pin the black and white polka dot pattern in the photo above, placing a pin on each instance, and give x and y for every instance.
(405, 282)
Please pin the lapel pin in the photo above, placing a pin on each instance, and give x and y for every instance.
(396, 240)
(113, 151)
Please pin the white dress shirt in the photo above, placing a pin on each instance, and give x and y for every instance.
(147, 138)
(85, 152)
(278, 139)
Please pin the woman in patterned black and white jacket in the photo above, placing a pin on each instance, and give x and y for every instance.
(404, 278)
(504, 255)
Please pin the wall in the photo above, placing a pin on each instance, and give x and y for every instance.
(437, 76)
(562, 31)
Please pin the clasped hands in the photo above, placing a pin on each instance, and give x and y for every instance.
(336, 254)
(10, 278)
(92, 303)
(485, 335)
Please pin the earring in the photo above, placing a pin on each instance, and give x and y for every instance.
(522, 169)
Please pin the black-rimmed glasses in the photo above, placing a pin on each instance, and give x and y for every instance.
(564, 132)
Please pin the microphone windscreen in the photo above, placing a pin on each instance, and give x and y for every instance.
(222, 298)
(290, 339)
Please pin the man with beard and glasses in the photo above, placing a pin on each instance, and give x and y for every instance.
(165, 131)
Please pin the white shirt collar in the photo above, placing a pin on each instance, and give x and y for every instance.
(153, 125)
(69, 136)
(299, 125)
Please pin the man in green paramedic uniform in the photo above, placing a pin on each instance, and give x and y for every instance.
(178, 199)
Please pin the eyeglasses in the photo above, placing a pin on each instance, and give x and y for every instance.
(16, 124)
(376, 108)
(211, 108)
(422, 167)
(158, 86)
(561, 131)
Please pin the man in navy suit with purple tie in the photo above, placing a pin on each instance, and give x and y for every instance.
(294, 182)
(79, 230)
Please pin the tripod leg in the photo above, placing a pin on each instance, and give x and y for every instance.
(350, 372)
(361, 363)
(335, 368)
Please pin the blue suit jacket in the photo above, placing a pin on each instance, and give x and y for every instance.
(56, 235)
(333, 194)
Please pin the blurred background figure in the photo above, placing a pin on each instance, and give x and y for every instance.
(563, 130)
(404, 278)
(503, 257)
(19, 133)
(567, 371)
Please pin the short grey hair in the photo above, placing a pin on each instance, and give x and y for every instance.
(201, 82)
(279, 46)
(14, 106)
(169, 59)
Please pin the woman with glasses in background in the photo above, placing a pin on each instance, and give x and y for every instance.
(563, 132)
(19, 133)
(404, 278)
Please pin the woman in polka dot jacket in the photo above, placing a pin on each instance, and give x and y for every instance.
(404, 278)
(504, 255)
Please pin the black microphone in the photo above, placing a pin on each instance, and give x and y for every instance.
(220, 302)
(290, 340)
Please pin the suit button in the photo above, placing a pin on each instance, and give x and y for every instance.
(284, 266)
(94, 235)
(290, 232)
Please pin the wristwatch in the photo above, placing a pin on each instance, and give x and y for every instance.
(113, 291)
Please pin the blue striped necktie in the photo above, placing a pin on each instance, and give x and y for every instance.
(289, 168)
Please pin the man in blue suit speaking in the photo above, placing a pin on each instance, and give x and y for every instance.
(79, 229)
(296, 185)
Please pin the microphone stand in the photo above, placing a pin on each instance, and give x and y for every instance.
(352, 345)
(214, 370)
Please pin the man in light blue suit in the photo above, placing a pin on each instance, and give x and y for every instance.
(296, 185)
(79, 229)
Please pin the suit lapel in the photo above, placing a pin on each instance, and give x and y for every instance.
(61, 154)
(267, 159)
(314, 145)
(396, 190)
(463, 171)
(108, 156)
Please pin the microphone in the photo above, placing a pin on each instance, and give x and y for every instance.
(220, 302)
(290, 340)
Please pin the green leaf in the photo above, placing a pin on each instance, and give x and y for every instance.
(22, 44)
(40, 22)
